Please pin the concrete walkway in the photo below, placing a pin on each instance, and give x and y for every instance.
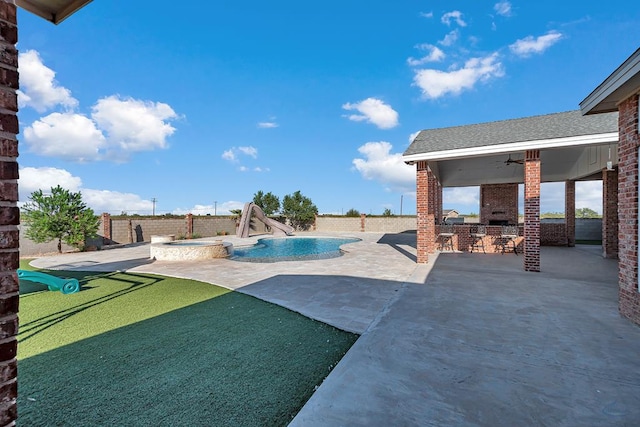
(475, 342)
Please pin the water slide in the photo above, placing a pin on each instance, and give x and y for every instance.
(252, 210)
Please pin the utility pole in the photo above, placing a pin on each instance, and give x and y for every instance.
(153, 212)
(215, 208)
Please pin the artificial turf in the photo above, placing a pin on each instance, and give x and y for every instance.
(146, 350)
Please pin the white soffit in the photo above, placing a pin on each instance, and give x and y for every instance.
(52, 10)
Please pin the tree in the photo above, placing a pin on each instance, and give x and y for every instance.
(299, 209)
(586, 213)
(269, 203)
(352, 213)
(387, 212)
(61, 215)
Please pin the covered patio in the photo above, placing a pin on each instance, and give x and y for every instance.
(498, 156)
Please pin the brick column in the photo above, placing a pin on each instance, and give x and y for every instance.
(9, 213)
(189, 218)
(363, 221)
(426, 220)
(628, 208)
(106, 229)
(610, 214)
(532, 210)
(570, 211)
(439, 214)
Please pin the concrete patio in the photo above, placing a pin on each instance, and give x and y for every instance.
(469, 339)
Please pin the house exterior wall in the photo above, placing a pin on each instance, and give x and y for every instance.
(628, 209)
(9, 213)
(499, 202)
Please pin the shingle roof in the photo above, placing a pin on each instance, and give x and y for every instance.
(536, 128)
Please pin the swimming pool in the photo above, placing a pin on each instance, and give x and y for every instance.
(292, 249)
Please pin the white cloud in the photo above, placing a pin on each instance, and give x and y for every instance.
(532, 45)
(267, 125)
(116, 129)
(233, 153)
(65, 135)
(589, 195)
(388, 168)
(249, 151)
(223, 208)
(373, 111)
(116, 202)
(44, 178)
(38, 87)
(434, 54)
(229, 155)
(453, 16)
(426, 14)
(469, 197)
(435, 83)
(33, 179)
(450, 38)
(503, 8)
(243, 169)
(134, 125)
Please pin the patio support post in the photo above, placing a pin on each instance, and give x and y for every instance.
(628, 159)
(426, 211)
(532, 210)
(570, 211)
(610, 214)
(9, 212)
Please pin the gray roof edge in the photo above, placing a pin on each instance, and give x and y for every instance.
(595, 101)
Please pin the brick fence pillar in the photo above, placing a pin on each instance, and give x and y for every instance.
(570, 211)
(425, 211)
(532, 210)
(189, 219)
(628, 145)
(363, 222)
(106, 229)
(9, 213)
(610, 214)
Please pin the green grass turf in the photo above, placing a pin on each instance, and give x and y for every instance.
(145, 350)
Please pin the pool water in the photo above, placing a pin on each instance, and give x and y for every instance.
(292, 249)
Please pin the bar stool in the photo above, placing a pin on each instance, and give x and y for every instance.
(477, 233)
(446, 237)
(509, 235)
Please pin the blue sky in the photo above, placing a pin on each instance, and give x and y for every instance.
(200, 105)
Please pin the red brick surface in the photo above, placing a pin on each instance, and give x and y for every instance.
(628, 209)
(569, 212)
(499, 202)
(610, 213)
(9, 255)
(532, 210)
(425, 211)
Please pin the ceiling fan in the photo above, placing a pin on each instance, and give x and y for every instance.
(517, 161)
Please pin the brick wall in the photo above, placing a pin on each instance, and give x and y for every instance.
(9, 213)
(628, 209)
(499, 202)
(492, 241)
(554, 234)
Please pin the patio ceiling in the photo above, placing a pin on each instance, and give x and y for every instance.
(52, 10)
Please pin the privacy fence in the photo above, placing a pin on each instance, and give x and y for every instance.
(133, 229)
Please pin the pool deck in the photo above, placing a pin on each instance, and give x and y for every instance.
(468, 339)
